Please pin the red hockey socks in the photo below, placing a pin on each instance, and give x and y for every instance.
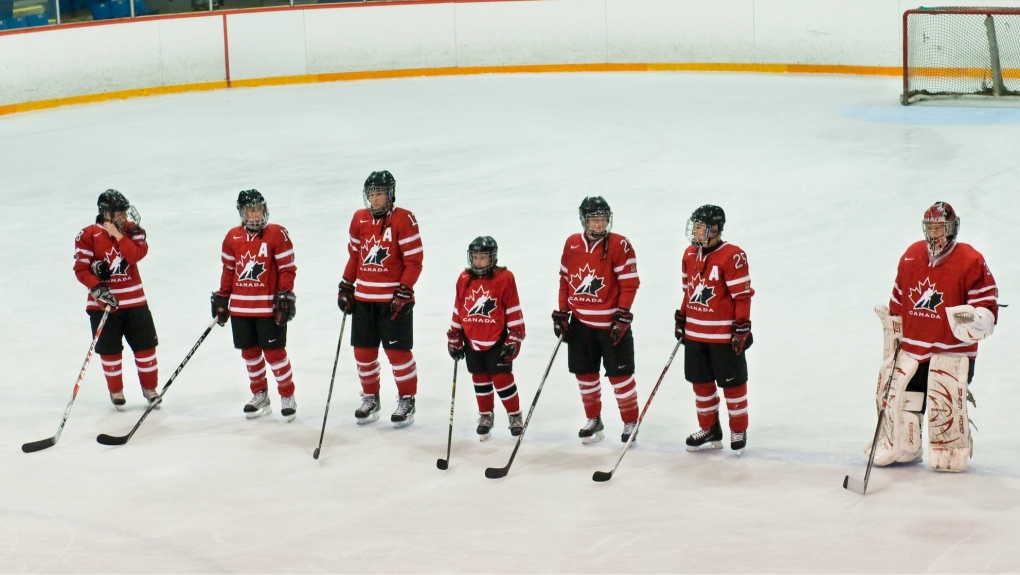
(367, 359)
(256, 369)
(483, 392)
(405, 372)
(591, 393)
(113, 370)
(625, 389)
(282, 371)
(736, 404)
(148, 370)
(706, 398)
(507, 390)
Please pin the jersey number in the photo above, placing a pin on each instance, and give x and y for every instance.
(739, 261)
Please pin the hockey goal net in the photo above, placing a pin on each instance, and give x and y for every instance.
(956, 52)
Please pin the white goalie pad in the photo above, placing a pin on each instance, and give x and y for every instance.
(892, 330)
(970, 323)
(948, 423)
(899, 438)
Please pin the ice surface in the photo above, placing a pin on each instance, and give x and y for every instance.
(824, 181)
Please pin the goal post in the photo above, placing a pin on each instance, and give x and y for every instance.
(961, 52)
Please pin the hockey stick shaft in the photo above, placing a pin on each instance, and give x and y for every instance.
(329, 396)
(445, 463)
(122, 439)
(849, 482)
(497, 472)
(604, 476)
(50, 442)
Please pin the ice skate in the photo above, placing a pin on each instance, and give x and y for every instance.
(592, 431)
(628, 429)
(705, 439)
(258, 406)
(288, 407)
(117, 397)
(484, 425)
(152, 396)
(738, 439)
(369, 410)
(403, 415)
(516, 424)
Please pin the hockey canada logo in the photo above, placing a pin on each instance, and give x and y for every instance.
(249, 268)
(700, 294)
(478, 303)
(585, 282)
(373, 253)
(925, 297)
(118, 265)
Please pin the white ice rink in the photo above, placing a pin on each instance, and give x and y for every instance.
(824, 181)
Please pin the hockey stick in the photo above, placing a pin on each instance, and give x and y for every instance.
(856, 485)
(50, 442)
(601, 476)
(122, 439)
(497, 472)
(329, 396)
(444, 463)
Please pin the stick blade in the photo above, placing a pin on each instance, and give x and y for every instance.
(851, 484)
(442, 464)
(112, 439)
(315, 454)
(602, 476)
(496, 472)
(34, 446)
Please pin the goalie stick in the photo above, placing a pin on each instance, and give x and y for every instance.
(329, 396)
(856, 485)
(445, 463)
(122, 439)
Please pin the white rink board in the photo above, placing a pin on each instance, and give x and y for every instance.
(267, 44)
(193, 50)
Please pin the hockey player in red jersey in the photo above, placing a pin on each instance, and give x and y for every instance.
(943, 303)
(257, 294)
(714, 324)
(487, 330)
(385, 258)
(598, 282)
(106, 256)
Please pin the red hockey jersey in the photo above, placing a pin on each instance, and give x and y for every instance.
(94, 243)
(717, 292)
(383, 253)
(596, 282)
(482, 307)
(923, 292)
(255, 267)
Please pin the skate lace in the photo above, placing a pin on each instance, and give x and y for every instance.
(736, 436)
(485, 420)
(591, 424)
(629, 427)
(288, 401)
(403, 406)
(702, 434)
(516, 421)
(258, 398)
(368, 403)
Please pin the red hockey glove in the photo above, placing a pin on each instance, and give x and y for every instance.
(455, 344)
(403, 301)
(561, 322)
(102, 295)
(345, 297)
(621, 323)
(512, 346)
(741, 338)
(220, 307)
(284, 307)
(101, 270)
(681, 325)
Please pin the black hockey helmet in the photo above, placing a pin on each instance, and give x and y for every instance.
(250, 199)
(482, 245)
(112, 201)
(598, 207)
(381, 180)
(940, 227)
(710, 216)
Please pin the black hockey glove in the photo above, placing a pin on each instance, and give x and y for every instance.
(345, 297)
(102, 295)
(621, 324)
(512, 346)
(101, 270)
(681, 325)
(403, 301)
(284, 307)
(741, 338)
(561, 322)
(455, 344)
(220, 307)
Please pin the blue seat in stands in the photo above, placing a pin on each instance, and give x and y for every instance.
(119, 9)
(16, 23)
(142, 10)
(37, 20)
(100, 10)
(3, 24)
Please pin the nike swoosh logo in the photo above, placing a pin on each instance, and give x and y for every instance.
(729, 379)
(394, 341)
(574, 247)
(908, 259)
(621, 366)
(96, 235)
(272, 340)
(237, 237)
(365, 221)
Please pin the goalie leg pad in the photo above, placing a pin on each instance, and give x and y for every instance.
(899, 440)
(948, 423)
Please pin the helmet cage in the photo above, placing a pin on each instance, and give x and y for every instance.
(940, 227)
(586, 218)
(252, 199)
(381, 181)
(482, 245)
(699, 232)
(111, 202)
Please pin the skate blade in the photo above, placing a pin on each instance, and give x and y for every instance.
(738, 452)
(289, 418)
(366, 420)
(258, 413)
(405, 423)
(595, 438)
(709, 446)
(484, 437)
(118, 407)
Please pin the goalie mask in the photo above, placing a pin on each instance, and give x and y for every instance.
(115, 208)
(382, 181)
(940, 226)
(596, 217)
(254, 212)
(482, 245)
(705, 224)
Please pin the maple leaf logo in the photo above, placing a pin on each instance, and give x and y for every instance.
(479, 303)
(587, 282)
(118, 265)
(249, 268)
(700, 293)
(925, 296)
(373, 253)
